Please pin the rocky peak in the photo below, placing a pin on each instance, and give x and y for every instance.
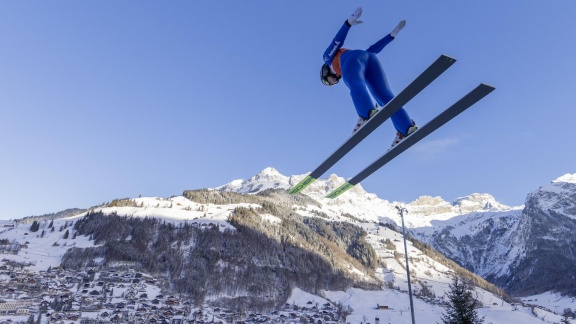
(268, 178)
(428, 205)
(270, 174)
(559, 196)
(478, 202)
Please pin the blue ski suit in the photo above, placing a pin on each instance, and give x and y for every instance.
(361, 71)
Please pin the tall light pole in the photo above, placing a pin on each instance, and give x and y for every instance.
(401, 211)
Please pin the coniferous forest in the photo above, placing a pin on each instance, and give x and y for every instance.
(255, 265)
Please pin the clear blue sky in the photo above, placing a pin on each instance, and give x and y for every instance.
(111, 99)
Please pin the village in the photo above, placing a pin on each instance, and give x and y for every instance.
(120, 294)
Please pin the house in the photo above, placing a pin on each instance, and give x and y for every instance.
(90, 308)
(22, 312)
(73, 317)
(178, 320)
(174, 302)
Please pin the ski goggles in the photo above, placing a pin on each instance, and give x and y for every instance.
(325, 72)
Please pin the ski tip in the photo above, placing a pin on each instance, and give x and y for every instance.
(488, 87)
(301, 185)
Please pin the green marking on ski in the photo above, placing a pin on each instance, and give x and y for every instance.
(301, 185)
(340, 190)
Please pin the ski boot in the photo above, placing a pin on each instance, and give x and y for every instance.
(362, 120)
(399, 137)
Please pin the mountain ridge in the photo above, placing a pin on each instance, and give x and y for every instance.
(270, 178)
(478, 232)
(475, 231)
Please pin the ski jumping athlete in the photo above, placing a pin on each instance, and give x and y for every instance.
(362, 71)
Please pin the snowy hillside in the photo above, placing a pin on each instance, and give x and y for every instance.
(430, 278)
(480, 233)
(483, 235)
(44, 248)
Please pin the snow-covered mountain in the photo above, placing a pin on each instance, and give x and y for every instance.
(547, 229)
(514, 247)
(525, 249)
(367, 206)
(430, 276)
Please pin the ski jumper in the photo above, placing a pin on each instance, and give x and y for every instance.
(363, 74)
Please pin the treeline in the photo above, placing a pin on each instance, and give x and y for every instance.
(37, 225)
(349, 237)
(296, 230)
(123, 202)
(77, 258)
(275, 196)
(256, 266)
(9, 247)
(61, 214)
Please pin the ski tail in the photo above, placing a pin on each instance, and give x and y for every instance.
(301, 185)
(340, 190)
(466, 102)
(415, 87)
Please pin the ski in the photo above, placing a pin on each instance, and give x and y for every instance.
(415, 87)
(467, 101)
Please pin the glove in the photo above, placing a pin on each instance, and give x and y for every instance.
(353, 19)
(398, 28)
